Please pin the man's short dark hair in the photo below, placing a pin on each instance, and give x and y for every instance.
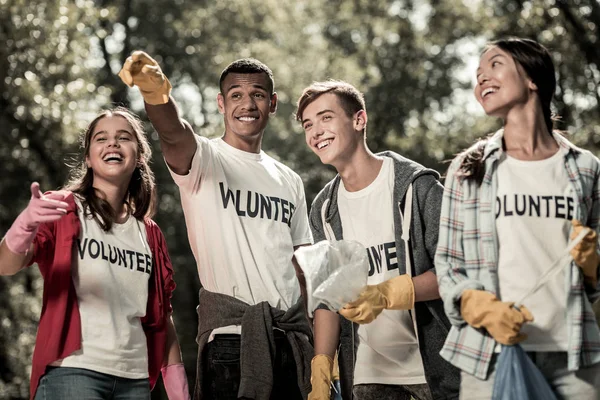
(248, 66)
(349, 97)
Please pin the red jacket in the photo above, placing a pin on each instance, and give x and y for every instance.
(59, 331)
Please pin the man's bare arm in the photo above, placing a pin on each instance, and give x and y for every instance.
(176, 135)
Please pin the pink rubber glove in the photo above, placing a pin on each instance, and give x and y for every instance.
(41, 208)
(175, 382)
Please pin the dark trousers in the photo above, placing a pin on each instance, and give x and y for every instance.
(397, 392)
(221, 358)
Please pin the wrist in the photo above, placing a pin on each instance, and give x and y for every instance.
(322, 364)
(323, 357)
(20, 236)
(399, 293)
(170, 367)
(158, 96)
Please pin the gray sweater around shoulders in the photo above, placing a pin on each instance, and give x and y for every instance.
(432, 323)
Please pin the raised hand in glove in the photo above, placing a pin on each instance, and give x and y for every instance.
(394, 294)
(320, 377)
(585, 253)
(144, 72)
(482, 309)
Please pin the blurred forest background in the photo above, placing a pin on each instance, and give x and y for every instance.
(414, 60)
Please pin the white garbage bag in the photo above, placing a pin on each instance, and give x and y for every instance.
(336, 272)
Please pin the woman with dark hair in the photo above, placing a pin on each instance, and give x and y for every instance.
(511, 204)
(106, 330)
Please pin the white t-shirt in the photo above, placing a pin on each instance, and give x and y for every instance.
(244, 213)
(110, 272)
(388, 352)
(534, 205)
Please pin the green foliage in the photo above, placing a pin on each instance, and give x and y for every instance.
(414, 60)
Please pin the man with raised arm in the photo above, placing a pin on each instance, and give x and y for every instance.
(245, 214)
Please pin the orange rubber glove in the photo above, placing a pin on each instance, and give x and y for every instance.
(585, 253)
(320, 377)
(144, 72)
(394, 294)
(482, 309)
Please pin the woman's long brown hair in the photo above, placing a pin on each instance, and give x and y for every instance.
(141, 192)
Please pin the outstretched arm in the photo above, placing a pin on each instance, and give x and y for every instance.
(176, 135)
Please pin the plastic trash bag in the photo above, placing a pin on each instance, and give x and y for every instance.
(517, 377)
(336, 272)
(336, 390)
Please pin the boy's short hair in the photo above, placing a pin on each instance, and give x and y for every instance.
(349, 97)
(248, 66)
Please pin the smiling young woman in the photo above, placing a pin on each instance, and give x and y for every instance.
(105, 330)
(512, 202)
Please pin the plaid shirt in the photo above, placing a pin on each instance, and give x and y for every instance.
(467, 257)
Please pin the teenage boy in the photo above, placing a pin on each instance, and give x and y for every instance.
(389, 204)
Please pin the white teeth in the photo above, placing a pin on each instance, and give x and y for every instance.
(112, 157)
(323, 144)
(247, 119)
(488, 91)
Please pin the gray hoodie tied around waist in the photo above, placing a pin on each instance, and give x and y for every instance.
(257, 345)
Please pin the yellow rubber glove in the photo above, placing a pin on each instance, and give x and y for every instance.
(585, 253)
(482, 309)
(320, 377)
(394, 294)
(144, 72)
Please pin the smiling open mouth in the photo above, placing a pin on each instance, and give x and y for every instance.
(247, 119)
(324, 143)
(488, 91)
(112, 157)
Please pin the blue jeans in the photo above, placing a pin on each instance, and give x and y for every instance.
(64, 383)
(222, 369)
